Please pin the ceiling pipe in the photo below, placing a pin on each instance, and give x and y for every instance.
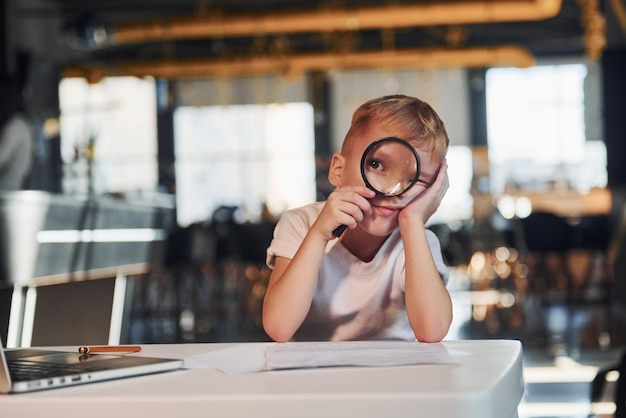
(343, 19)
(300, 64)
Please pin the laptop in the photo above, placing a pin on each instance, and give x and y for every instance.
(31, 369)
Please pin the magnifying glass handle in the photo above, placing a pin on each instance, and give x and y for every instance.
(339, 230)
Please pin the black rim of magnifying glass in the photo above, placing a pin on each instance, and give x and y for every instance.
(390, 139)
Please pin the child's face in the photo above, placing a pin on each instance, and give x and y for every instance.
(384, 217)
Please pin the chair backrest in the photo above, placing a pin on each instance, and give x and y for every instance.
(599, 383)
(593, 232)
(547, 232)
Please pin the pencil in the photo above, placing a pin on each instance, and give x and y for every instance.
(109, 349)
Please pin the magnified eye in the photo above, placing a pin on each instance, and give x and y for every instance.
(376, 165)
(390, 166)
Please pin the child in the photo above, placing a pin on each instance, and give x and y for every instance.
(384, 277)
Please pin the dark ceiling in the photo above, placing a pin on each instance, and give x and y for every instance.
(93, 29)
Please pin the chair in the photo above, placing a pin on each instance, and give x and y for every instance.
(549, 238)
(619, 396)
(592, 236)
(580, 267)
(598, 243)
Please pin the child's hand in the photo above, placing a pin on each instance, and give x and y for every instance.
(427, 203)
(346, 205)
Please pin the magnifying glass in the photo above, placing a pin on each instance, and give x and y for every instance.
(390, 166)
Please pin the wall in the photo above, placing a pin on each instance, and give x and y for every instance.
(445, 90)
(240, 91)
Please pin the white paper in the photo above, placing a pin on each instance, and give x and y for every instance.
(242, 358)
(256, 357)
(356, 353)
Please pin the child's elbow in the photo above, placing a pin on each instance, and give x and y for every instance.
(431, 333)
(279, 337)
(276, 332)
(429, 338)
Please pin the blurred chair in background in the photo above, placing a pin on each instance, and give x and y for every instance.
(548, 240)
(591, 242)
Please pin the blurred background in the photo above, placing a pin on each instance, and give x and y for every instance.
(147, 149)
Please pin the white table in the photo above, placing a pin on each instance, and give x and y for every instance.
(487, 383)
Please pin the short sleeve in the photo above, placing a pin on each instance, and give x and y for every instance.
(288, 235)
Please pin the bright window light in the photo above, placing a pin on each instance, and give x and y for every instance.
(108, 135)
(457, 205)
(245, 156)
(536, 130)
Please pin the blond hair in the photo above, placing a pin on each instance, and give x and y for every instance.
(412, 119)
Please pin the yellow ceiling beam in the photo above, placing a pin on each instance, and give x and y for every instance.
(338, 19)
(297, 65)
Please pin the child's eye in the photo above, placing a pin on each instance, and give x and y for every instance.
(376, 164)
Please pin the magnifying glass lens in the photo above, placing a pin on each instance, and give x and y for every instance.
(390, 166)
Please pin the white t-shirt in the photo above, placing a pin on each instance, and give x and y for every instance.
(353, 300)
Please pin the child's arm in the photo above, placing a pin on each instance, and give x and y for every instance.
(292, 283)
(428, 302)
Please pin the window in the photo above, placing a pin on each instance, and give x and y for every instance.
(537, 133)
(244, 156)
(108, 135)
(457, 205)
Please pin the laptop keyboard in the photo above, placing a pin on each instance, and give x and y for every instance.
(22, 371)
